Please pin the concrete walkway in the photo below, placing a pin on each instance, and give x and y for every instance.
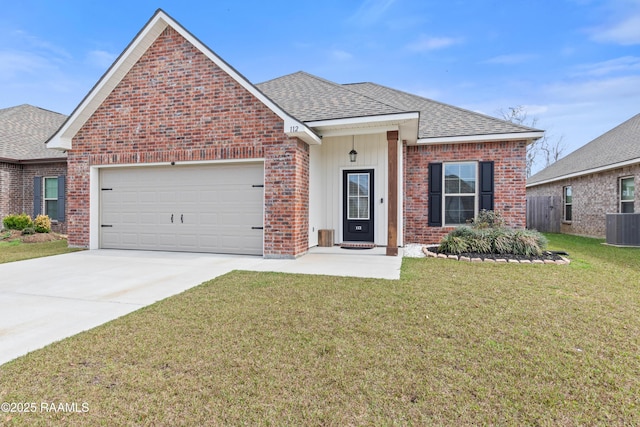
(47, 299)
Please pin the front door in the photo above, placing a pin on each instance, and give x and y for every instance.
(357, 215)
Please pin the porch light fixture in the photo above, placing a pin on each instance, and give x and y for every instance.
(353, 154)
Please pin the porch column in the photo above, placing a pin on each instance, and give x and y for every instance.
(392, 202)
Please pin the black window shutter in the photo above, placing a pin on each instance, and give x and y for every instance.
(37, 196)
(61, 198)
(435, 194)
(486, 186)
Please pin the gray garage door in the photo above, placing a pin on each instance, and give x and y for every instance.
(203, 208)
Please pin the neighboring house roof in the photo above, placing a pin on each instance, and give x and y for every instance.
(616, 148)
(311, 99)
(24, 130)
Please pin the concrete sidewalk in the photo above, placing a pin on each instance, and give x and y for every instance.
(47, 299)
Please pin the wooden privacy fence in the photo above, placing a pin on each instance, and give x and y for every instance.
(544, 213)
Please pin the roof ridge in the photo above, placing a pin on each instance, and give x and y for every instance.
(372, 98)
(16, 107)
(301, 72)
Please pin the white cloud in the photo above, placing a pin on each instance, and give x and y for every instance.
(625, 64)
(371, 11)
(100, 58)
(625, 32)
(512, 59)
(13, 63)
(598, 90)
(426, 43)
(340, 55)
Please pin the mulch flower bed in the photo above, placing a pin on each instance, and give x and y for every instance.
(9, 235)
(547, 257)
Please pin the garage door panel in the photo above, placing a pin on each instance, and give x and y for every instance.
(214, 208)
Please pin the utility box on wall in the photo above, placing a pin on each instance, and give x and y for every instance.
(623, 229)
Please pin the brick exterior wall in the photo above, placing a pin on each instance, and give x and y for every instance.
(286, 219)
(177, 105)
(509, 183)
(16, 182)
(10, 189)
(594, 196)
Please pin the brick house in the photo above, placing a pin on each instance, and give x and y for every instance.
(575, 194)
(173, 149)
(32, 178)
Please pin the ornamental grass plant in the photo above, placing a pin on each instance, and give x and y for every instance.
(488, 234)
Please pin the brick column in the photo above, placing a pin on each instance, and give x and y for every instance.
(392, 203)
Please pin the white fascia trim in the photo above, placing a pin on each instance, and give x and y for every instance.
(367, 120)
(147, 36)
(532, 136)
(587, 172)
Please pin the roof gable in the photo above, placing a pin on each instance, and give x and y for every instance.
(24, 130)
(618, 147)
(62, 139)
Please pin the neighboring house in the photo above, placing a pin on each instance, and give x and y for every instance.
(32, 178)
(574, 194)
(173, 149)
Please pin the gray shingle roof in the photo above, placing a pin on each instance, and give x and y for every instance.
(24, 130)
(310, 98)
(438, 119)
(620, 144)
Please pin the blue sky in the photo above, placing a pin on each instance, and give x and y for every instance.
(573, 64)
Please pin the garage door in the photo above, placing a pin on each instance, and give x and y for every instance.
(204, 208)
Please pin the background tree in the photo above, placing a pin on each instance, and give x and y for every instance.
(543, 152)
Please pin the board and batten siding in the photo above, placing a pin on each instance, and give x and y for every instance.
(327, 162)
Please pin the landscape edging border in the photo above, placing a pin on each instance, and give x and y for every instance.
(429, 254)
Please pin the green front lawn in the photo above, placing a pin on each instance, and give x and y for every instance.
(451, 343)
(15, 250)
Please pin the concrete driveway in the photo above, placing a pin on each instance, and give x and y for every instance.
(47, 299)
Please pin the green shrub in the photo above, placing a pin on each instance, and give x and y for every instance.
(488, 234)
(527, 242)
(481, 242)
(501, 242)
(454, 244)
(17, 222)
(463, 231)
(28, 230)
(42, 224)
(488, 219)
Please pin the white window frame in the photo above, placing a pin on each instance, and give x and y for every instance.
(620, 200)
(565, 204)
(445, 194)
(358, 197)
(45, 199)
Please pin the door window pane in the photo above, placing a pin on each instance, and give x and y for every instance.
(358, 196)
